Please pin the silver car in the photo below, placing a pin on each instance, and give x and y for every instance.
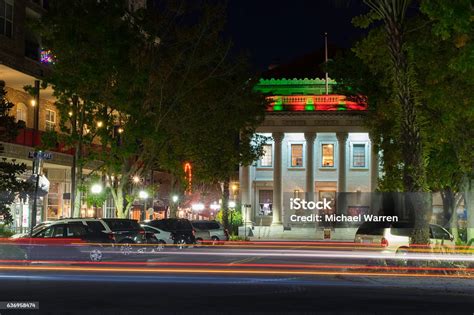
(215, 229)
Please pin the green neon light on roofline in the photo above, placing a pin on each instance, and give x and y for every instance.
(294, 86)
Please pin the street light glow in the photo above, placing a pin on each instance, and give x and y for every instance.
(100, 124)
(174, 198)
(231, 204)
(197, 206)
(33, 103)
(143, 194)
(96, 188)
(136, 179)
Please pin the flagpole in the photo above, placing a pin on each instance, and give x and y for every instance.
(326, 60)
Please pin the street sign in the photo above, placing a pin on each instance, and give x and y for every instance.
(40, 155)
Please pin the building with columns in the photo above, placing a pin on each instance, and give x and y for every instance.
(318, 146)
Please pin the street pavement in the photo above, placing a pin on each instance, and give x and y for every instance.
(236, 280)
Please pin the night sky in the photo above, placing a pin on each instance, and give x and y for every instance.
(278, 31)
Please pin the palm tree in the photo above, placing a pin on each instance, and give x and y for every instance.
(392, 13)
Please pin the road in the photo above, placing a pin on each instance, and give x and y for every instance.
(237, 280)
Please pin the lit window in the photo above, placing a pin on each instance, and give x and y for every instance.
(296, 155)
(6, 18)
(50, 120)
(21, 112)
(265, 200)
(266, 160)
(358, 155)
(327, 151)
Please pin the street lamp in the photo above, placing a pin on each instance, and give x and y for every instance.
(174, 198)
(142, 194)
(96, 189)
(136, 179)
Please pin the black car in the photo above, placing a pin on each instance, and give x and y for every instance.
(182, 232)
(128, 232)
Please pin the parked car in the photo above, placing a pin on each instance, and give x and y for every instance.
(123, 234)
(181, 230)
(202, 235)
(215, 229)
(163, 237)
(128, 233)
(36, 228)
(64, 240)
(394, 237)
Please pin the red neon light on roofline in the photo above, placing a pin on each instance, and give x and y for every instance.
(331, 102)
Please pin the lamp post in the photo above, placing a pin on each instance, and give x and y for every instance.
(143, 195)
(232, 209)
(96, 189)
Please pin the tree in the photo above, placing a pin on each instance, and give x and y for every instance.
(151, 77)
(226, 133)
(11, 185)
(443, 124)
(451, 34)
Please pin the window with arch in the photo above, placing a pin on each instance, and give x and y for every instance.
(21, 112)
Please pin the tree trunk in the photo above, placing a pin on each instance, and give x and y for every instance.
(119, 202)
(393, 14)
(449, 211)
(225, 204)
(77, 202)
(469, 205)
(79, 158)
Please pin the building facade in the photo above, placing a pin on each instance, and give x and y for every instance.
(318, 146)
(23, 63)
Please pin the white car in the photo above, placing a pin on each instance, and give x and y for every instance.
(163, 237)
(215, 229)
(394, 237)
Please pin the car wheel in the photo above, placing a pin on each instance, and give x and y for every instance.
(159, 247)
(181, 243)
(199, 241)
(95, 255)
(126, 249)
(401, 253)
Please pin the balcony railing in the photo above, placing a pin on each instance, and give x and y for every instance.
(316, 102)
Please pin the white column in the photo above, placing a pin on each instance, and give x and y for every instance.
(341, 173)
(277, 180)
(374, 165)
(310, 137)
(245, 195)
